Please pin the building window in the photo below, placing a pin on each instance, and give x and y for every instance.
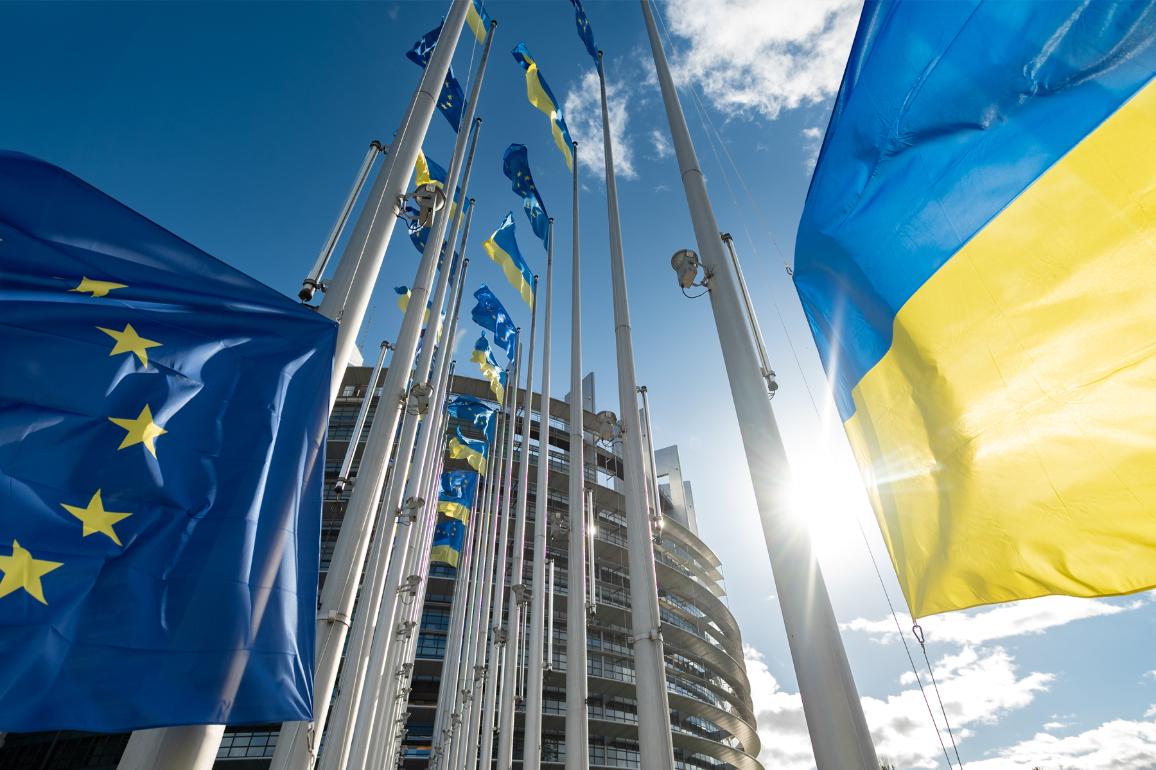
(247, 742)
(431, 645)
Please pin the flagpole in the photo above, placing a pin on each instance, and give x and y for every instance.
(499, 637)
(651, 465)
(405, 497)
(655, 749)
(469, 676)
(348, 293)
(359, 423)
(456, 634)
(485, 661)
(297, 745)
(401, 653)
(577, 720)
(512, 637)
(312, 281)
(839, 734)
(532, 736)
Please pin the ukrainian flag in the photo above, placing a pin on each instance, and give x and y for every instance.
(502, 247)
(490, 369)
(448, 541)
(458, 491)
(542, 97)
(473, 451)
(976, 263)
(478, 20)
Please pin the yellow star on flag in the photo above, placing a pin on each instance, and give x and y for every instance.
(141, 430)
(128, 341)
(22, 571)
(96, 288)
(95, 518)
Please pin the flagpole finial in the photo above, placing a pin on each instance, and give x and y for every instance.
(375, 144)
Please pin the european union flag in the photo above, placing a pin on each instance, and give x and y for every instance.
(516, 167)
(491, 315)
(448, 541)
(456, 497)
(474, 411)
(452, 97)
(451, 100)
(584, 31)
(424, 47)
(162, 426)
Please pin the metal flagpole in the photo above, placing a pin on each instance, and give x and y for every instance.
(478, 606)
(499, 637)
(655, 749)
(297, 746)
(532, 734)
(359, 423)
(577, 722)
(401, 653)
(831, 704)
(312, 281)
(348, 293)
(485, 661)
(366, 619)
(406, 498)
(455, 638)
(518, 598)
(651, 465)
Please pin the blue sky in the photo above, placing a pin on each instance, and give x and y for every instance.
(239, 127)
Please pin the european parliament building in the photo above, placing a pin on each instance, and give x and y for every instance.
(712, 719)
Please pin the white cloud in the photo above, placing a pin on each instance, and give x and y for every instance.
(762, 56)
(812, 141)
(661, 144)
(978, 686)
(1033, 616)
(1054, 725)
(782, 729)
(1116, 745)
(1150, 675)
(1151, 712)
(583, 109)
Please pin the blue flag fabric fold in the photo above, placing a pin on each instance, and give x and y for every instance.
(584, 31)
(474, 411)
(452, 98)
(159, 515)
(492, 316)
(516, 167)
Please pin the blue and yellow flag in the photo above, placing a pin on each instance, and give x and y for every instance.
(542, 97)
(474, 411)
(491, 315)
(448, 541)
(428, 171)
(473, 451)
(516, 167)
(162, 428)
(490, 369)
(478, 20)
(502, 247)
(457, 493)
(452, 98)
(975, 262)
(585, 32)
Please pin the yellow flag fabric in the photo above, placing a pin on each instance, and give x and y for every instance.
(986, 305)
